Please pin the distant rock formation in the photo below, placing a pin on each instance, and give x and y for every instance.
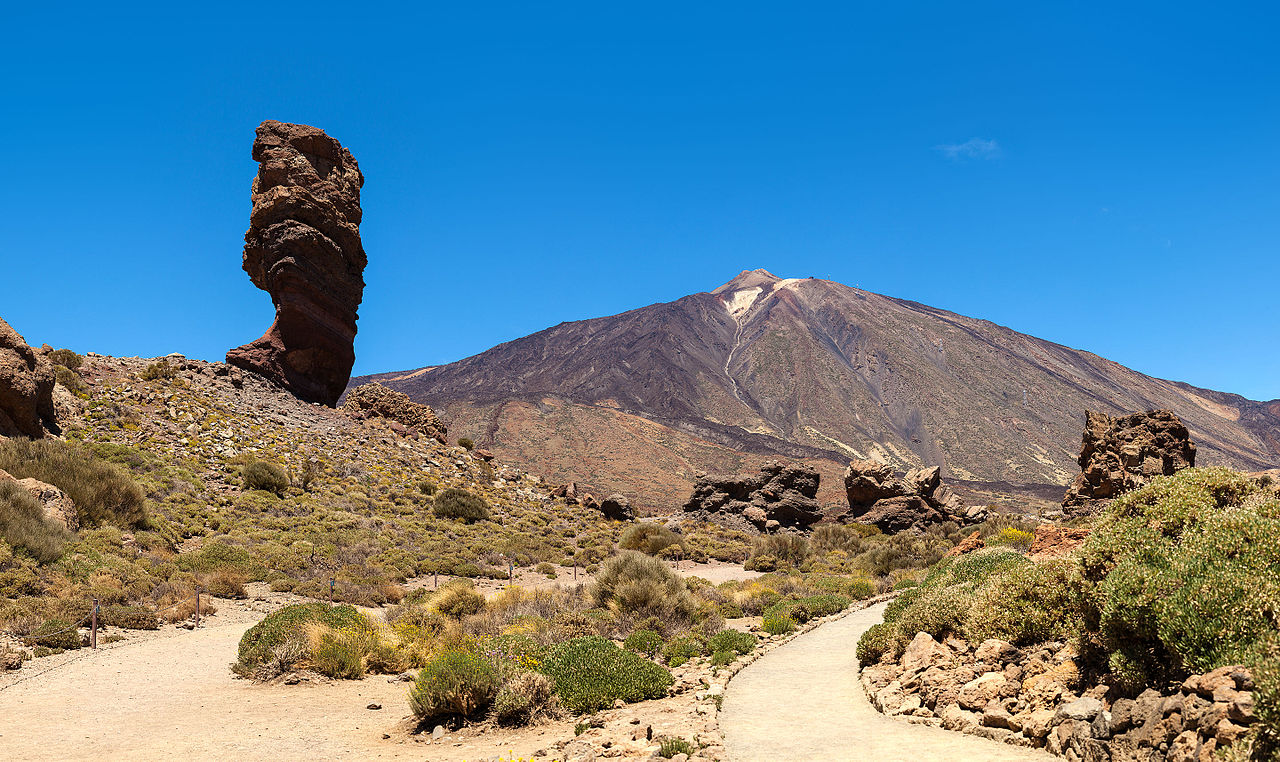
(617, 507)
(377, 400)
(919, 499)
(779, 497)
(1119, 455)
(26, 388)
(303, 247)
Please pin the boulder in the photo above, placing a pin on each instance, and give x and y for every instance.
(376, 400)
(924, 652)
(781, 493)
(617, 507)
(26, 388)
(967, 545)
(915, 501)
(303, 247)
(58, 508)
(1118, 455)
(1052, 541)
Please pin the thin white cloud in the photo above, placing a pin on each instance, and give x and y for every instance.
(973, 148)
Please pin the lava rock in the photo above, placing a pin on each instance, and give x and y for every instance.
(26, 388)
(1119, 455)
(377, 400)
(781, 493)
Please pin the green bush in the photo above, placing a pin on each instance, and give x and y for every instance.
(466, 443)
(591, 673)
(289, 624)
(1179, 577)
(1018, 539)
(648, 538)
(634, 584)
(23, 524)
(1028, 604)
(778, 624)
(102, 492)
(879, 640)
(732, 640)
(455, 503)
(56, 633)
(682, 649)
(453, 684)
(268, 477)
(669, 747)
(643, 642)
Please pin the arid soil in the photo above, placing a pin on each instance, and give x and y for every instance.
(803, 701)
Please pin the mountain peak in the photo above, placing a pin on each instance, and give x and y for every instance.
(748, 279)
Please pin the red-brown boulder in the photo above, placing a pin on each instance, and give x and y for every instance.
(303, 247)
(1119, 455)
(26, 387)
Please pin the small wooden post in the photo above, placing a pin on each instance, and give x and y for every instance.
(435, 580)
(331, 583)
(511, 569)
(575, 571)
(197, 624)
(93, 625)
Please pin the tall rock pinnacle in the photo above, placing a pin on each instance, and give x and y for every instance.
(303, 247)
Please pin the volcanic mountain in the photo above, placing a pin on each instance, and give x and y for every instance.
(806, 369)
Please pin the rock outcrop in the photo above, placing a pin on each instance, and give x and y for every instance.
(915, 501)
(1053, 541)
(303, 247)
(379, 401)
(1035, 697)
(26, 388)
(779, 497)
(1119, 455)
(617, 507)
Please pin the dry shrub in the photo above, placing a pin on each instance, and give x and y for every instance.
(457, 600)
(224, 583)
(525, 698)
(102, 492)
(649, 538)
(23, 525)
(634, 584)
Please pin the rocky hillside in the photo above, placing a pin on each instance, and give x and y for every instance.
(807, 369)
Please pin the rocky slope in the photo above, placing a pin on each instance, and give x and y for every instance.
(806, 369)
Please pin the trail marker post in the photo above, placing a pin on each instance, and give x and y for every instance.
(93, 625)
(197, 624)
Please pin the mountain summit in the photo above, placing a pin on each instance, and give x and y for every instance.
(805, 368)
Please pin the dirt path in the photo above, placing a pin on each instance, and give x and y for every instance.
(803, 701)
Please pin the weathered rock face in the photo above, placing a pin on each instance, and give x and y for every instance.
(303, 247)
(877, 496)
(26, 387)
(780, 496)
(1119, 455)
(378, 400)
(1052, 541)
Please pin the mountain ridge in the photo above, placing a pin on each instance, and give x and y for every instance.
(817, 370)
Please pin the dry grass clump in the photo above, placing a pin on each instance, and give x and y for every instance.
(102, 492)
(648, 538)
(268, 477)
(24, 526)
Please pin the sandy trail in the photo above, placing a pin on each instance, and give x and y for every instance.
(803, 701)
(173, 696)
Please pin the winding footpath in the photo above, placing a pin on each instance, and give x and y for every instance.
(803, 701)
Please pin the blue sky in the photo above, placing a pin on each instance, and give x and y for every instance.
(1100, 176)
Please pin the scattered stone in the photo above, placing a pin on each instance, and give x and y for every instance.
(377, 400)
(967, 545)
(374, 706)
(303, 247)
(1119, 455)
